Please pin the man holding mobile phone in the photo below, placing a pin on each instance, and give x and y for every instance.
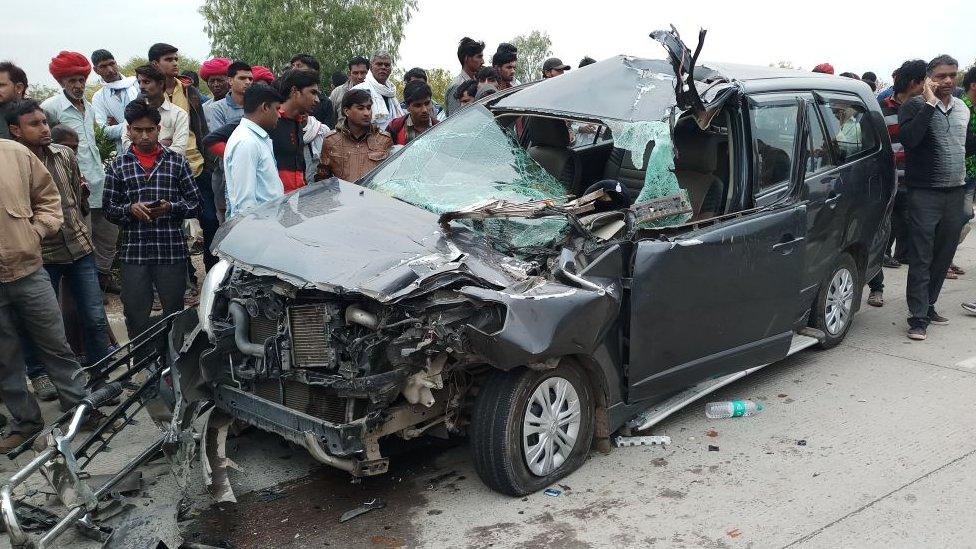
(932, 128)
(149, 191)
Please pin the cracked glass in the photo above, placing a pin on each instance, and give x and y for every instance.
(468, 159)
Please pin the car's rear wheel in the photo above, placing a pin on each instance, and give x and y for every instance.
(530, 428)
(836, 303)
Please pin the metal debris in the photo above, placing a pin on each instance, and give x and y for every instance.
(621, 441)
(374, 503)
(552, 492)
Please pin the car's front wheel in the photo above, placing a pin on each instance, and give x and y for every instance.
(836, 303)
(530, 428)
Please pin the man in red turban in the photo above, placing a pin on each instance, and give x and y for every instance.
(262, 74)
(214, 73)
(71, 70)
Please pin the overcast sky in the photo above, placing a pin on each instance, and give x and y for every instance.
(853, 36)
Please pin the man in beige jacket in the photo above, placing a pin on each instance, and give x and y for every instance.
(30, 210)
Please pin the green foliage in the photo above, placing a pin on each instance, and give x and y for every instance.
(106, 148)
(438, 79)
(270, 32)
(40, 92)
(533, 49)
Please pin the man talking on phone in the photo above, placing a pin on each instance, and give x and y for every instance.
(932, 128)
(149, 191)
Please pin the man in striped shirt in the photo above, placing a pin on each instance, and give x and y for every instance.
(909, 79)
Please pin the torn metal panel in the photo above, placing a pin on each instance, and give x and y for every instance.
(544, 319)
(388, 248)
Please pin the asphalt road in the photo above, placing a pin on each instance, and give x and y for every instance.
(869, 444)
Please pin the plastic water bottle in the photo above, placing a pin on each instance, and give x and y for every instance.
(734, 408)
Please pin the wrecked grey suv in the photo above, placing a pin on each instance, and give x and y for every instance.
(479, 284)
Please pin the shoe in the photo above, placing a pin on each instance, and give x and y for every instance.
(950, 275)
(917, 333)
(44, 389)
(890, 262)
(937, 319)
(956, 270)
(970, 307)
(14, 440)
(876, 298)
(157, 306)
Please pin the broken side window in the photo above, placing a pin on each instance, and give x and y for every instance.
(469, 159)
(659, 178)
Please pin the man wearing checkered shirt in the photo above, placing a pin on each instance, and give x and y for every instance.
(149, 191)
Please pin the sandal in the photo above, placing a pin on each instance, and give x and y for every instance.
(957, 270)
(951, 275)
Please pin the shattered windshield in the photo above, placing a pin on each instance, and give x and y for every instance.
(468, 159)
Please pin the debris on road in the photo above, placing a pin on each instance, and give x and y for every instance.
(621, 441)
(712, 448)
(801, 442)
(733, 408)
(712, 433)
(734, 533)
(552, 492)
(374, 503)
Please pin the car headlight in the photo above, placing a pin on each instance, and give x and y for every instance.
(208, 293)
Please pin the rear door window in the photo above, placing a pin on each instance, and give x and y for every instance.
(818, 153)
(849, 127)
(773, 134)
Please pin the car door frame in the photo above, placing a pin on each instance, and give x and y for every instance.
(659, 359)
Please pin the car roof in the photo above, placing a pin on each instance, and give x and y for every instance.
(632, 88)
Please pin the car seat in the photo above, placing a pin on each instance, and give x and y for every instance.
(549, 147)
(620, 167)
(696, 161)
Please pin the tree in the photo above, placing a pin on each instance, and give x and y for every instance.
(40, 92)
(270, 32)
(438, 79)
(533, 49)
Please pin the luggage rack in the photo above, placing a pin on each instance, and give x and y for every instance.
(63, 466)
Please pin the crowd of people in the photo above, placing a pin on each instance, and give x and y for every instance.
(932, 125)
(181, 154)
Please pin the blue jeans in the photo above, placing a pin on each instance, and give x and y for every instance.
(82, 278)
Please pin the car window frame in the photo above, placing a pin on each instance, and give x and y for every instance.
(814, 100)
(822, 101)
(777, 193)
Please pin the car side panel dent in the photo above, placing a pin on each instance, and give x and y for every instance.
(547, 320)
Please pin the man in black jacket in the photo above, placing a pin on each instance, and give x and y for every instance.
(932, 128)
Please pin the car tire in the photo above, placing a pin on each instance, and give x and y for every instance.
(837, 301)
(507, 401)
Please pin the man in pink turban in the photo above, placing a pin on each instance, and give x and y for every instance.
(214, 73)
(262, 74)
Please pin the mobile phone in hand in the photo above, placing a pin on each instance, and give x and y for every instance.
(155, 204)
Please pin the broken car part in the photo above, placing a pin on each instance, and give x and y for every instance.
(650, 440)
(362, 509)
(63, 464)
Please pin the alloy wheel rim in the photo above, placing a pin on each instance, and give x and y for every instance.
(840, 301)
(550, 426)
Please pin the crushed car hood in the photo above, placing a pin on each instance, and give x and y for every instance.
(340, 237)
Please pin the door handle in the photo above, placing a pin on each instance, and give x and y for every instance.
(787, 246)
(832, 199)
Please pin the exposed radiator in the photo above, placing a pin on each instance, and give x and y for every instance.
(314, 401)
(311, 341)
(261, 329)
